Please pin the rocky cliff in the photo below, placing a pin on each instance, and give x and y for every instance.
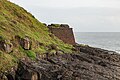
(23, 37)
(63, 32)
(28, 51)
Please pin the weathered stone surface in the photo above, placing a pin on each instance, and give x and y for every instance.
(64, 33)
(25, 43)
(6, 45)
(24, 73)
(89, 64)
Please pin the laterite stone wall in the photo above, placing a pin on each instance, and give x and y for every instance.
(64, 33)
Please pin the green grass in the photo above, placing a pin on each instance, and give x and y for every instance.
(14, 20)
(55, 25)
(6, 62)
(30, 54)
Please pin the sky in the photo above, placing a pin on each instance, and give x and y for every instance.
(81, 15)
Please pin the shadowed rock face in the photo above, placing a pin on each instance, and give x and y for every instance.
(89, 64)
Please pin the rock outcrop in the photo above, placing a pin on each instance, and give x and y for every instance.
(6, 46)
(25, 43)
(36, 54)
(63, 32)
(89, 64)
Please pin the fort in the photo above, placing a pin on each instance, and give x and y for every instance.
(63, 32)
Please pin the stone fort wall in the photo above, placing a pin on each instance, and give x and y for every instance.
(63, 32)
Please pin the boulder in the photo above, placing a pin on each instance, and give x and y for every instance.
(6, 45)
(25, 72)
(25, 43)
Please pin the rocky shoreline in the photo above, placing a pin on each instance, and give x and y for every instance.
(88, 64)
(31, 50)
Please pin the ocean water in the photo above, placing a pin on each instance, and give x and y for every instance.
(104, 40)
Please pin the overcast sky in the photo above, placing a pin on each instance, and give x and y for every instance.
(82, 15)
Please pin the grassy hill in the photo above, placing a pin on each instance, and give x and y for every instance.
(15, 21)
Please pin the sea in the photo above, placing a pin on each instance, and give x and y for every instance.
(104, 40)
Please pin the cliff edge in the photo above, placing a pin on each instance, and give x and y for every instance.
(22, 36)
(29, 51)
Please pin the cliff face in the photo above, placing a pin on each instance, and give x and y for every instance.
(28, 51)
(24, 37)
(63, 32)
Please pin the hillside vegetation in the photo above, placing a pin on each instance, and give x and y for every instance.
(17, 22)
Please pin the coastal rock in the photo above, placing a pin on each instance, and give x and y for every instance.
(25, 73)
(90, 64)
